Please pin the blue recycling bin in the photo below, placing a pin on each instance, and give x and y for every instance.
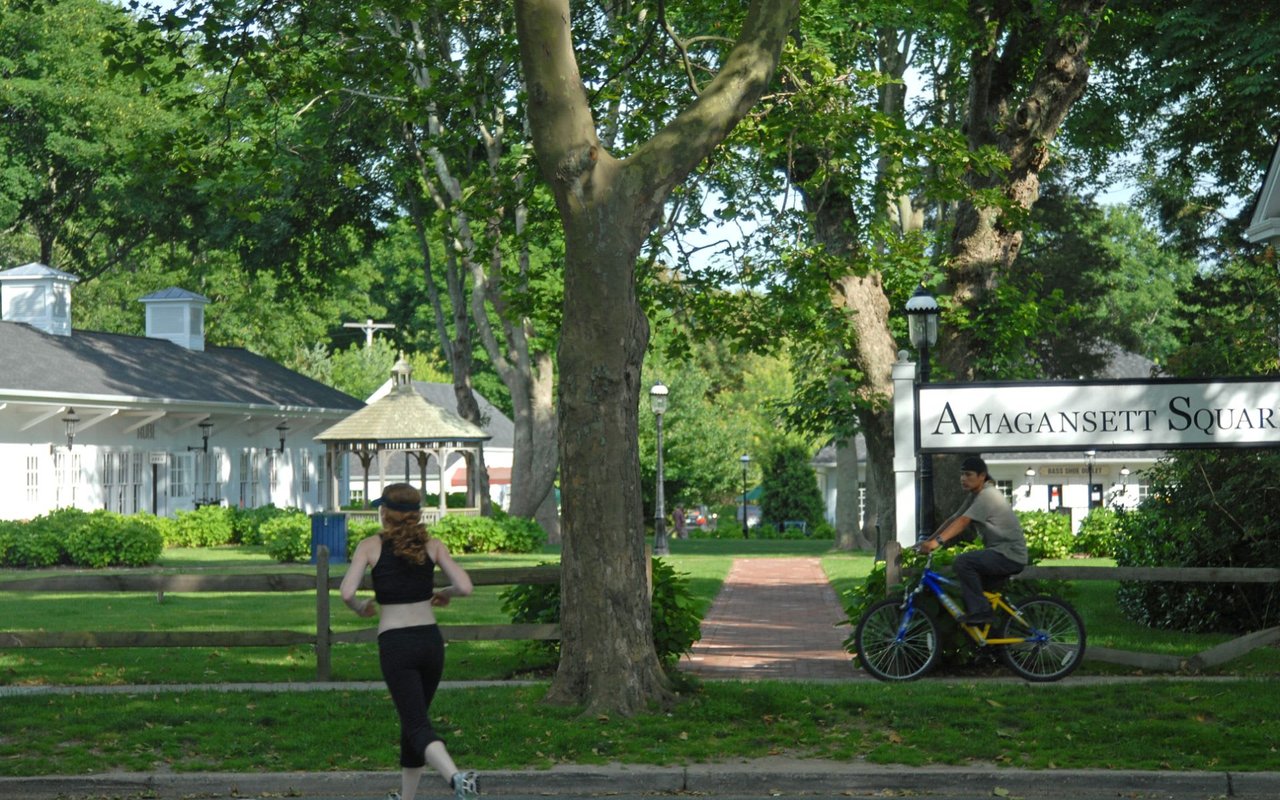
(329, 530)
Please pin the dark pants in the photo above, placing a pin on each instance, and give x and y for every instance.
(412, 661)
(972, 567)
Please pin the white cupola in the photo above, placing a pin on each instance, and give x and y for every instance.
(176, 315)
(38, 295)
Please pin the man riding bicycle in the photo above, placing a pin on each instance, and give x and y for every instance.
(1004, 545)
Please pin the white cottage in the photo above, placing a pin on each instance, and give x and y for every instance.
(157, 423)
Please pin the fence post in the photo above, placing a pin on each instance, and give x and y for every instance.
(322, 614)
(892, 566)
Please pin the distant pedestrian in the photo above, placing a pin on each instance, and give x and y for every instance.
(681, 523)
(403, 557)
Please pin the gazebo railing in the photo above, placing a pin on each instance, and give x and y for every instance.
(429, 515)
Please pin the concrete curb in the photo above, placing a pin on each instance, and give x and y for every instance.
(766, 777)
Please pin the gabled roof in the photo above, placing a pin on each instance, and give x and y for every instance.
(1265, 224)
(136, 368)
(497, 424)
(402, 417)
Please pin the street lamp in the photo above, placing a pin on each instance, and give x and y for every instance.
(69, 422)
(745, 460)
(658, 402)
(1089, 456)
(1031, 473)
(922, 328)
(205, 427)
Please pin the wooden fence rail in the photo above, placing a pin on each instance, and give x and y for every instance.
(1213, 657)
(321, 583)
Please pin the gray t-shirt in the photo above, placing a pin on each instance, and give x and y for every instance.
(996, 523)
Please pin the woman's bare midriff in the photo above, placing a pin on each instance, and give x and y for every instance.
(405, 615)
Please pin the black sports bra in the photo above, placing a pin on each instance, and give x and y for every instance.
(397, 580)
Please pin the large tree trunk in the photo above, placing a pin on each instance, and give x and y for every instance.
(1020, 120)
(849, 535)
(608, 208)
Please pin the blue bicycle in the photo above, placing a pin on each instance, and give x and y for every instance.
(1041, 638)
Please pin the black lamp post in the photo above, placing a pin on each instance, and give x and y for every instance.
(745, 460)
(922, 327)
(282, 429)
(658, 401)
(1031, 473)
(1089, 456)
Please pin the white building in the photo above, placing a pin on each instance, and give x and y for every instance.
(155, 423)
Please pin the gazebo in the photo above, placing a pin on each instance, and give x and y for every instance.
(402, 421)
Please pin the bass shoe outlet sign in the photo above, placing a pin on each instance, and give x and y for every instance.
(1129, 415)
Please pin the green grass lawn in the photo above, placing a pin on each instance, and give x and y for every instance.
(704, 561)
(1215, 726)
(966, 719)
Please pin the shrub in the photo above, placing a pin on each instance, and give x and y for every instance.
(246, 523)
(676, 623)
(163, 526)
(107, 539)
(358, 529)
(41, 542)
(1097, 533)
(1206, 509)
(1048, 534)
(523, 535)
(463, 534)
(8, 537)
(287, 536)
(207, 526)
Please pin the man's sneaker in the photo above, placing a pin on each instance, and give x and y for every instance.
(466, 785)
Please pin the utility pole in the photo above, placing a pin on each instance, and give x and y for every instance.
(368, 326)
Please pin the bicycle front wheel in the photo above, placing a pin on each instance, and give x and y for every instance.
(896, 644)
(1052, 637)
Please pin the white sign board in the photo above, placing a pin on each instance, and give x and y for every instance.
(1157, 414)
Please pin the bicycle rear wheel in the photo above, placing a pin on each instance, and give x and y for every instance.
(896, 645)
(1053, 640)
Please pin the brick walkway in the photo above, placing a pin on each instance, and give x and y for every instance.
(774, 619)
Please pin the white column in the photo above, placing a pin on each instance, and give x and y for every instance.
(904, 449)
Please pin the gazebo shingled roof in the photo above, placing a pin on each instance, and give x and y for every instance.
(402, 420)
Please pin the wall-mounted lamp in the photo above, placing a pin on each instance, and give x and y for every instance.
(282, 429)
(205, 427)
(1124, 476)
(1031, 473)
(69, 422)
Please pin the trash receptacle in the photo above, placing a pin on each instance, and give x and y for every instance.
(329, 530)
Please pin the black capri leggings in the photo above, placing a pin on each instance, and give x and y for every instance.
(412, 661)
